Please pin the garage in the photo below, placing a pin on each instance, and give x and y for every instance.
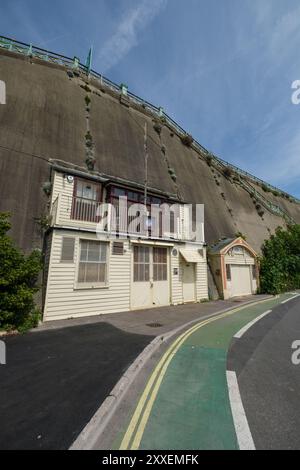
(240, 280)
(234, 267)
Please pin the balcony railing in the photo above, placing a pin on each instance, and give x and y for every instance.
(85, 210)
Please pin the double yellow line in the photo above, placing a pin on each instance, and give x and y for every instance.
(141, 415)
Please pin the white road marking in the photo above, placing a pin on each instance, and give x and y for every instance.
(291, 298)
(245, 328)
(242, 429)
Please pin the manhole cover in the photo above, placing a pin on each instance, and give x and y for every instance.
(154, 324)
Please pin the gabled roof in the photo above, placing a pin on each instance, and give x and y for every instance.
(217, 247)
(224, 245)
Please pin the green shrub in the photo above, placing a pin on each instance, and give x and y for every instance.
(18, 277)
(265, 188)
(280, 261)
(227, 172)
(187, 140)
(240, 235)
(209, 159)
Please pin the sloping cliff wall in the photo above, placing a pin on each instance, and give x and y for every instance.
(45, 118)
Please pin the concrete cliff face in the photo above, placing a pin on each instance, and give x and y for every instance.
(45, 118)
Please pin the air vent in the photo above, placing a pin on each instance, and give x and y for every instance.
(67, 250)
(118, 248)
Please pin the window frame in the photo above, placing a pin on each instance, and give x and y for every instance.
(92, 285)
(78, 200)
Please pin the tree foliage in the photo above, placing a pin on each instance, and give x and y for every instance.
(280, 261)
(18, 277)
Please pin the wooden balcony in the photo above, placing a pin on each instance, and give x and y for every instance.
(76, 212)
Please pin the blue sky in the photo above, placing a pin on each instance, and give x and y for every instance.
(222, 69)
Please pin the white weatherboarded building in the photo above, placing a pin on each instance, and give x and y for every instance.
(91, 272)
(235, 267)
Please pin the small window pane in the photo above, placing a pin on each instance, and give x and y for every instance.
(81, 272)
(94, 255)
(102, 272)
(91, 272)
(136, 273)
(147, 274)
(228, 272)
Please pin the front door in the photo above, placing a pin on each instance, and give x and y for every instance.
(150, 282)
(188, 282)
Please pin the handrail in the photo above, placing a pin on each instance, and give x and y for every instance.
(43, 54)
(274, 208)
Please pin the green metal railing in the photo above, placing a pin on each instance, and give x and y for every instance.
(42, 54)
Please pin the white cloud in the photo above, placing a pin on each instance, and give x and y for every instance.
(126, 35)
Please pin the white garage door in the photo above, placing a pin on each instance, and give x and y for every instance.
(240, 280)
(150, 283)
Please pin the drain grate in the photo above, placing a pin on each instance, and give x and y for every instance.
(154, 325)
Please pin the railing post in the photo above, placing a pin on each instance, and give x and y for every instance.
(124, 89)
(58, 209)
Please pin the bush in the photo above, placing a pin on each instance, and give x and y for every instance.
(157, 127)
(240, 235)
(227, 172)
(187, 140)
(18, 277)
(280, 261)
(209, 160)
(265, 188)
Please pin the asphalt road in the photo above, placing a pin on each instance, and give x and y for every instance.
(54, 381)
(269, 382)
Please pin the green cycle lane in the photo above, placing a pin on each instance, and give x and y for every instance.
(191, 410)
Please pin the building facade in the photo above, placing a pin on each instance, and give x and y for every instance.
(234, 266)
(95, 264)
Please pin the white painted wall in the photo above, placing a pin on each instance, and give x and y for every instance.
(64, 300)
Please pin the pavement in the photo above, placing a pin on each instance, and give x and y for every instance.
(58, 375)
(184, 402)
(153, 321)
